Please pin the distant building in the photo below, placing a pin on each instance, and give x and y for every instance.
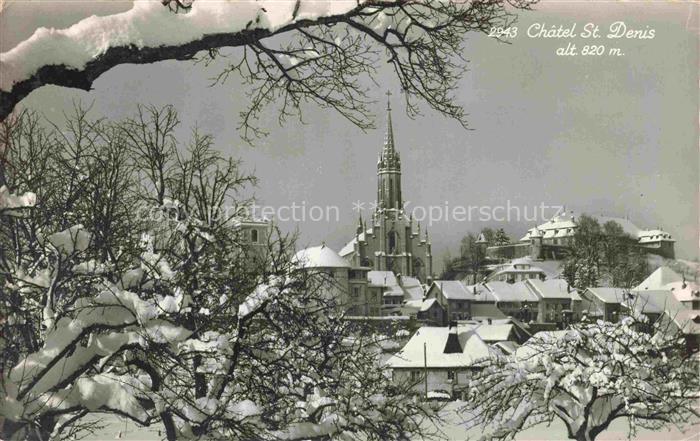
(360, 290)
(254, 235)
(551, 239)
(348, 286)
(431, 313)
(516, 271)
(548, 301)
(391, 241)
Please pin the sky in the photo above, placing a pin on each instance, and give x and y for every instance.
(613, 135)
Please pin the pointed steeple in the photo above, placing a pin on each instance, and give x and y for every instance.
(389, 157)
(389, 168)
(389, 137)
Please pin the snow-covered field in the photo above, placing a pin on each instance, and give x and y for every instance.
(452, 430)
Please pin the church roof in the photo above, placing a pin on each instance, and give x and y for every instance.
(320, 257)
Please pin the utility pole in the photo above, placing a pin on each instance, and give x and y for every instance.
(425, 365)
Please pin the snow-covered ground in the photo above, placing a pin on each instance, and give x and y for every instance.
(452, 429)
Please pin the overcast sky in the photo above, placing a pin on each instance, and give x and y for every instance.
(611, 135)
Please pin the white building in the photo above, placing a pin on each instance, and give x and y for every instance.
(440, 359)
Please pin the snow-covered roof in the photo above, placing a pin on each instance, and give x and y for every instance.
(664, 278)
(320, 257)
(382, 278)
(565, 225)
(486, 310)
(517, 268)
(349, 247)
(454, 290)
(511, 292)
(551, 289)
(508, 347)
(608, 295)
(684, 291)
(433, 340)
(688, 321)
(427, 304)
(655, 302)
(412, 287)
(648, 236)
(491, 332)
(659, 279)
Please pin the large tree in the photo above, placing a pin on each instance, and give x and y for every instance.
(291, 51)
(586, 377)
(127, 289)
(604, 254)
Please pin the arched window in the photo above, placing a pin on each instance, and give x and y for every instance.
(392, 241)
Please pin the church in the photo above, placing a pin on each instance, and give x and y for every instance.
(390, 240)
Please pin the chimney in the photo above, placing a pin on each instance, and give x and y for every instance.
(452, 345)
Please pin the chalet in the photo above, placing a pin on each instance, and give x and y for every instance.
(439, 359)
(557, 302)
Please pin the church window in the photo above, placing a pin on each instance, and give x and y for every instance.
(254, 236)
(392, 241)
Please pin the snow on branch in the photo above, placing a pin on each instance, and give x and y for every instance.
(330, 52)
(148, 32)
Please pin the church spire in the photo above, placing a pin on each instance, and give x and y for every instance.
(389, 168)
(389, 137)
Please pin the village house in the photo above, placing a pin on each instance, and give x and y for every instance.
(602, 303)
(514, 299)
(611, 303)
(439, 359)
(431, 312)
(516, 271)
(335, 277)
(664, 278)
(455, 297)
(542, 301)
(557, 302)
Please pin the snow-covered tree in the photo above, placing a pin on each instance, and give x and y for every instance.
(290, 51)
(588, 376)
(127, 290)
(603, 255)
(501, 237)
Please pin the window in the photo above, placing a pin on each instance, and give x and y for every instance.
(415, 375)
(451, 375)
(355, 291)
(254, 236)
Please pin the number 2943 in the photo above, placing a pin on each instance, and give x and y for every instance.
(510, 32)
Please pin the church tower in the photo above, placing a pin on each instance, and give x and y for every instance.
(389, 169)
(390, 241)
